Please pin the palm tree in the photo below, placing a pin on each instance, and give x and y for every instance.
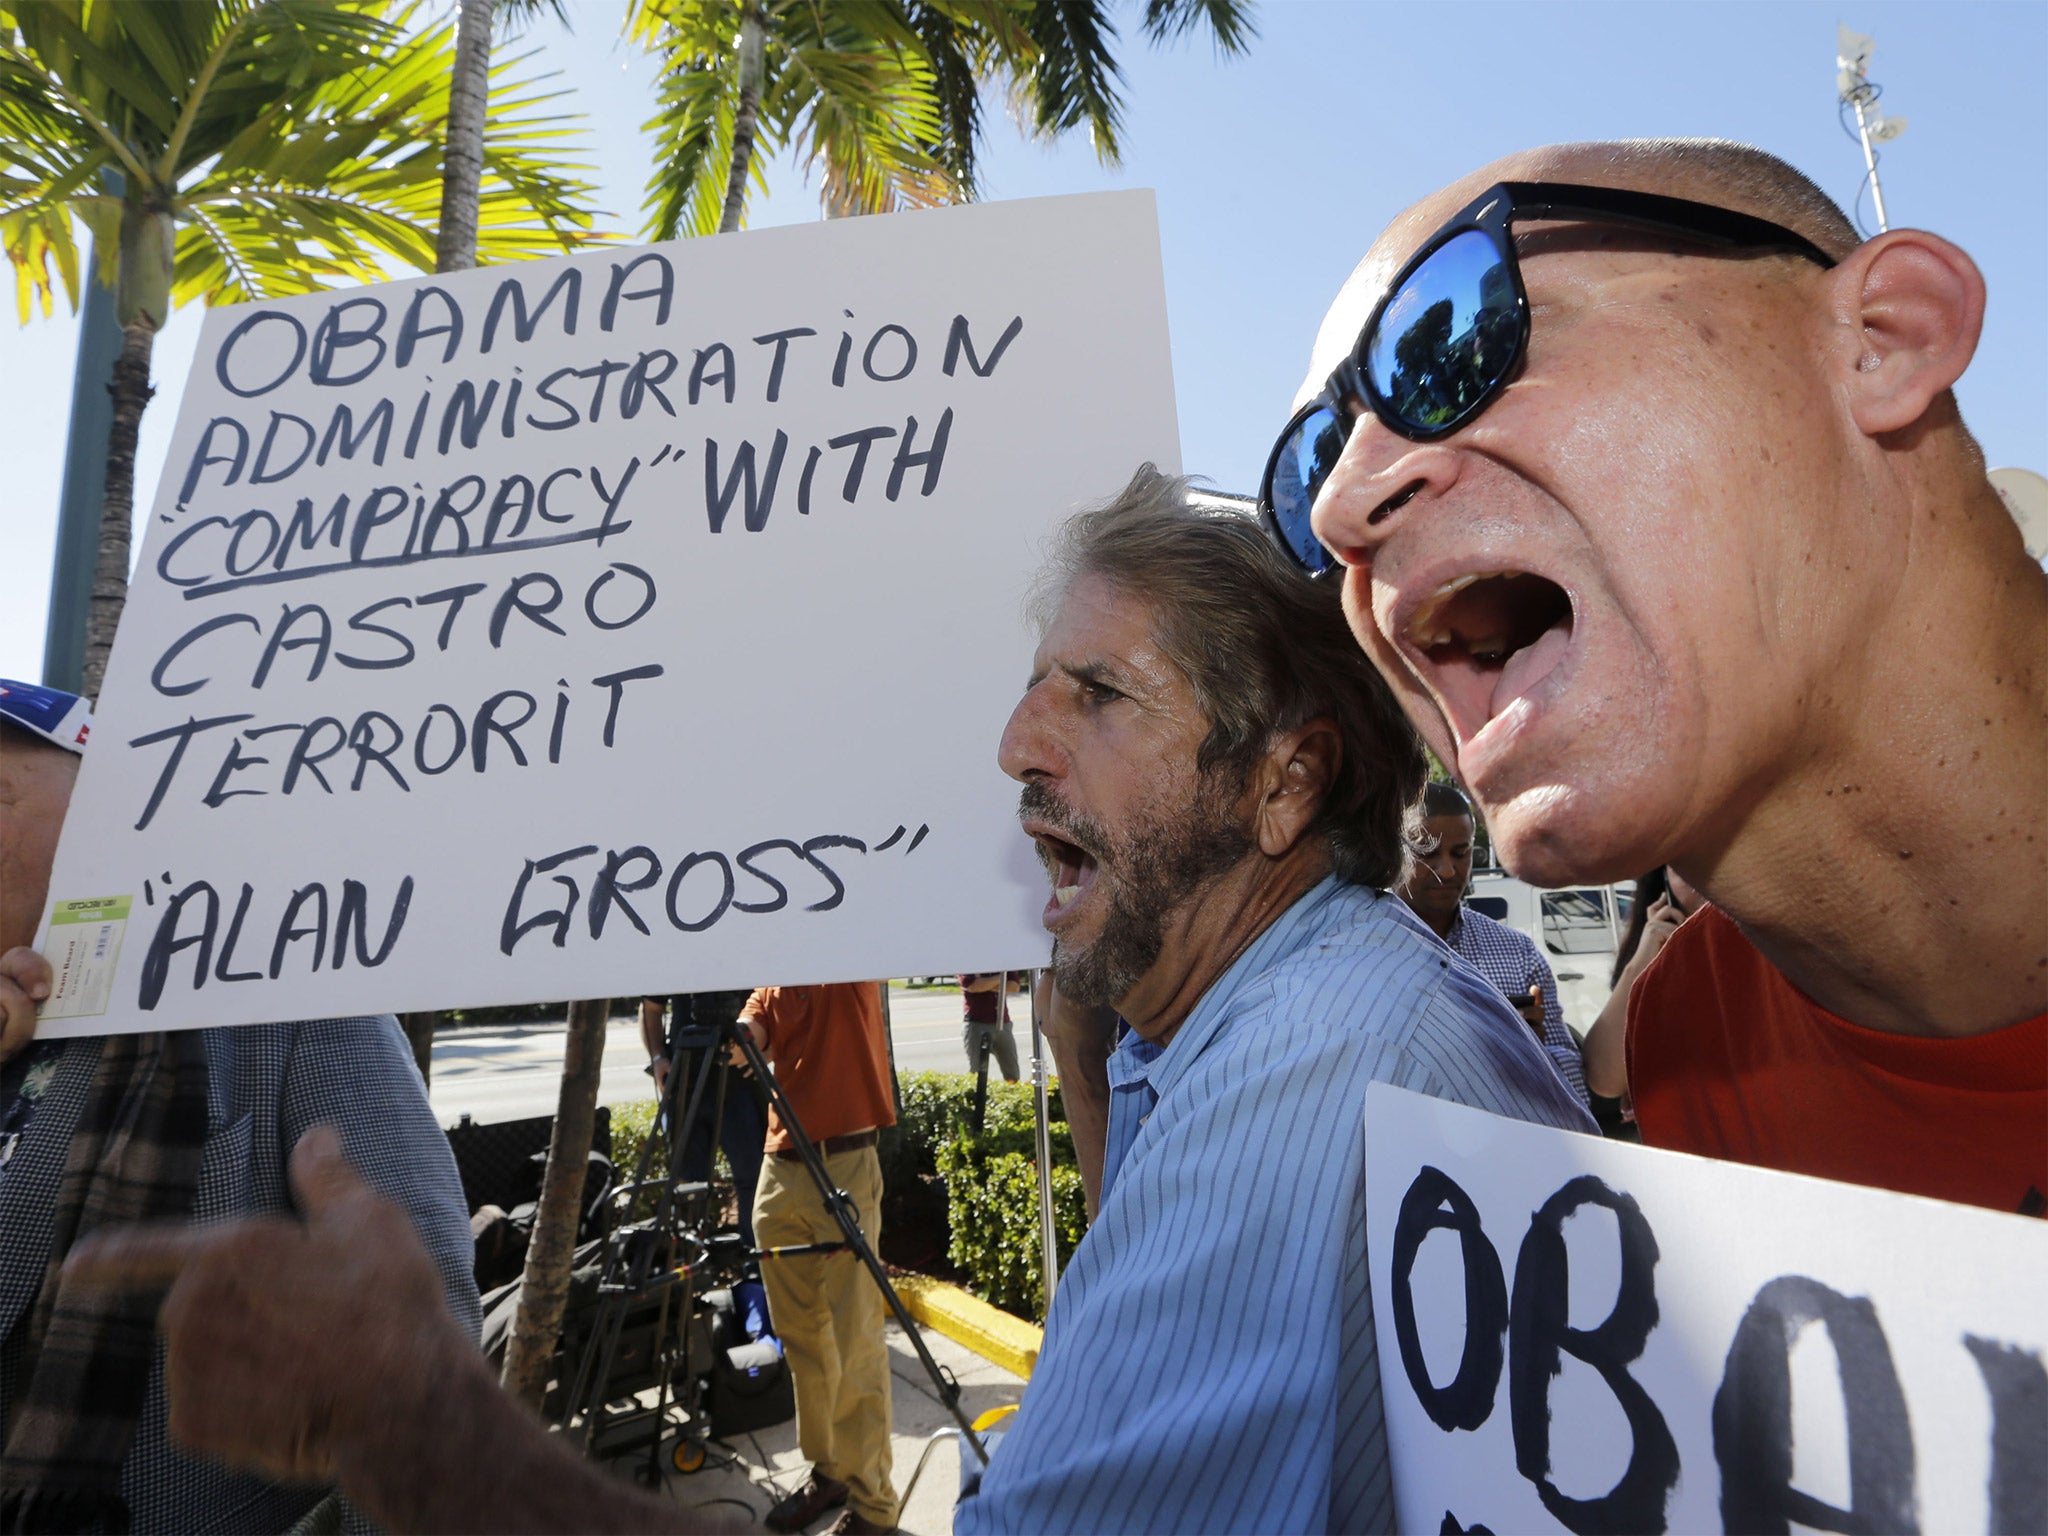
(883, 95)
(847, 83)
(462, 163)
(462, 175)
(226, 150)
(544, 1290)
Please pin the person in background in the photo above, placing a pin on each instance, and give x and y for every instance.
(1435, 883)
(739, 1120)
(987, 1030)
(1662, 901)
(831, 1056)
(193, 1126)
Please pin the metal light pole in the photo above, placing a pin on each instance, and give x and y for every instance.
(1852, 85)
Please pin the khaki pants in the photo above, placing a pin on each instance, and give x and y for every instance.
(828, 1313)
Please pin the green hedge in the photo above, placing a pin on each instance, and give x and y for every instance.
(630, 1125)
(991, 1181)
(992, 1204)
(937, 1106)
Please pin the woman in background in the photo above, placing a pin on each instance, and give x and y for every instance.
(1662, 901)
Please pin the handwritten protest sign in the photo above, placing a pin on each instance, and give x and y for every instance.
(643, 620)
(1580, 1335)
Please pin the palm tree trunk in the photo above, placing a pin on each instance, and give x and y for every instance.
(753, 63)
(131, 391)
(462, 178)
(545, 1289)
(462, 157)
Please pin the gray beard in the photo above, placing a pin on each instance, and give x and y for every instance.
(1153, 869)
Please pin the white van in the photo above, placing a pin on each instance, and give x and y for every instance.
(1577, 929)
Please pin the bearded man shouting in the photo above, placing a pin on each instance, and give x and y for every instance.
(1216, 780)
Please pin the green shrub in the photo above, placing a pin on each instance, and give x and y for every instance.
(937, 1106)
(992, 1204)
(630, 1125)
(991, 1180)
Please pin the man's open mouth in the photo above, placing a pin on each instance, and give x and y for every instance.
(1072, 868)
(1488, 638)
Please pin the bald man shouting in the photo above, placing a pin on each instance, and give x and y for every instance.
(1651, 500)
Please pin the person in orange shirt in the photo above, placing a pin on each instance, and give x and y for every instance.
(1650, 497)
(831, 1057)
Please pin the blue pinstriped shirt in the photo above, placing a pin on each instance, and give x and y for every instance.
(1209, 1364)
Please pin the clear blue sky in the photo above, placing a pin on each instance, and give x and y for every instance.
(1275, 172)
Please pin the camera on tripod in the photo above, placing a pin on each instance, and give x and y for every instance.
(674, 1305)
(671, 1301)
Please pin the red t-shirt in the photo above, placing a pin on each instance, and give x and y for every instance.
(830, 1056)
(1727, 1058)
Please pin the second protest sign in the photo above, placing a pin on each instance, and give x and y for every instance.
(1581, 1335)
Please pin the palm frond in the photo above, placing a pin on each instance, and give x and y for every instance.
(1071, 78)
(295, 142)
(693, 133)
(1229, 21)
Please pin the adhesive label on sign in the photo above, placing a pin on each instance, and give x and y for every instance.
(83, 949)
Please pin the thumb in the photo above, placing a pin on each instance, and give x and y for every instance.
(322, 1180)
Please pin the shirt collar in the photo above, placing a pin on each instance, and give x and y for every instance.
(1457, 927)
(1134, 1056)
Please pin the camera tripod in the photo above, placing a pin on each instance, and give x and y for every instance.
(661, 1261)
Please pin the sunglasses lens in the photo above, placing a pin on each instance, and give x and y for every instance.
(1301, 463)
(1447, 337)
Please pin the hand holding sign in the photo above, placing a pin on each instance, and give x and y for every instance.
(24, 982)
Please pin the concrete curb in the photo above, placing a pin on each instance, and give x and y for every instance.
(967, 1320)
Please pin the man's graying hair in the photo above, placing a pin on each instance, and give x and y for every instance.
(1265, 648)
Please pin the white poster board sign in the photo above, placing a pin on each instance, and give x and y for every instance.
(1583, 1335)
(644, 620)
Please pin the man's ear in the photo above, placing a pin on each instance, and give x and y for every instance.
(1294, 780)
(1910, 306)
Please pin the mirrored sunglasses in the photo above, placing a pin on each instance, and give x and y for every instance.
(1453, 325)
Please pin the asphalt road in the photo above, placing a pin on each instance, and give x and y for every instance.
(512, 1072)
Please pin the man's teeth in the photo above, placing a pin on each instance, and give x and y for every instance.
(1428, 634)
(1066, 893)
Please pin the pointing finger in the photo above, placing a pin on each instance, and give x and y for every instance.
(322, 1180)
(142, 1256)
